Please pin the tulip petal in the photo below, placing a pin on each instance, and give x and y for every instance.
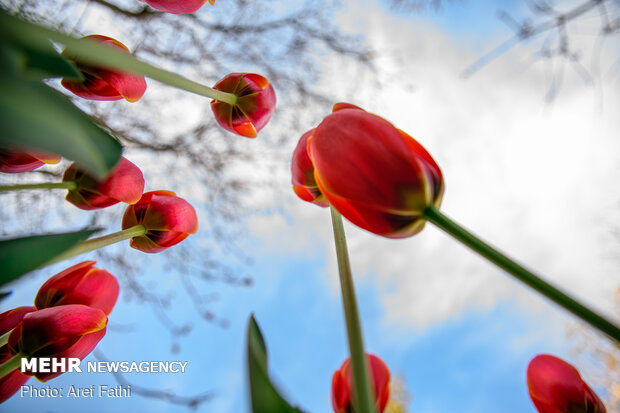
(82, 348)
(168, 220)
(100, 83)
(80, 284)
(254, 107)
(124, 183)
(52, 330)
(177, 6)
(11, 318)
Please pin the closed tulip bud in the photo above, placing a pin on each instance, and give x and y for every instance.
(13, 381)
(125, 183)
(256, 101)
(80, 284)
(167, 218)
(557, 387)
(302, 170)
(101, 83)
(61, 332)
(177, 6)
(24, 160)
(342, 385)
(374, 174)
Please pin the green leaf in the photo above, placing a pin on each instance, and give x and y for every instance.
(5, 294)
(263, 396)
(36, 63)
(21, 255)
(35, 116)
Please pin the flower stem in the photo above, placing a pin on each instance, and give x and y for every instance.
(70, 185)
(90, 52)
(363, 399)
(11, 364)
(96, 243)
(433, 215)
(5, 338)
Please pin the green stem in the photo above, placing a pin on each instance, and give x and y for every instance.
(96, 243)
(363, 397)
(5, 338)
(11, 364)
(70, 185)
(92, 53)
(553, 293)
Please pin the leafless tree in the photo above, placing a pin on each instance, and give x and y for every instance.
(553, 27)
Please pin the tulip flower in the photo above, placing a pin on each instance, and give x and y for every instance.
(304, 184)
(342, 386)
(61, 332)
(124, 183)
(80, 284)
(24, 160)
(557, 387)
(256, 101)
(177, 6)
(166, 218)
(100, 83)
(12, 382)
(374, 174)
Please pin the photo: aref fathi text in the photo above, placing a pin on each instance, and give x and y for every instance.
(101, 390)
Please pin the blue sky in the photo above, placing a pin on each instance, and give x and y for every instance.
(457, 330)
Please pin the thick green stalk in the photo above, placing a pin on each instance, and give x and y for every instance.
(90, 52)
(96, 243)
(11, 364)
(363, 397)
(433, 215)
(4, 338)
(70, 185)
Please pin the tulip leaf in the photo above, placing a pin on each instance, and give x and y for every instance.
(36, 63)
(21, 255)
(5, 294)
(264, 398)
(34, 115)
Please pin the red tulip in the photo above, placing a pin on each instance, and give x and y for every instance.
(80, 284)
(256, 101)
(24, 160)
(177, 6)
(100, 83)
(556, 387)
(374, 174)
(342, 385)
(302, 170)
(61, 332)
(168, 220)
(13, 381)
(124, 183)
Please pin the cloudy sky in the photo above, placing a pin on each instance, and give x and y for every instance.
(538, 178)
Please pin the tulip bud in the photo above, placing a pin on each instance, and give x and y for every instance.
(167, 218)
(342, 385)
(24, 160)
(177, 6)
(557, 387)
(61, 332)
(375, 175)
(302, 170)
(256, 101)
(80, 284)
(124, 183)
(100, 83)
(13, 381)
